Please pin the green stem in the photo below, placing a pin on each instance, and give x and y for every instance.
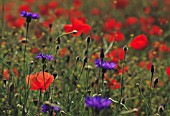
(2, 25)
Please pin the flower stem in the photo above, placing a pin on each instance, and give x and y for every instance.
(2, 24)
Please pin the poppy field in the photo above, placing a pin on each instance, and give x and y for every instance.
(84, 58)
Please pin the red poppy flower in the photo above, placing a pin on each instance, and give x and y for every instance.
(115, 36)
(111, 25)
(52, 5)
(155, 30)
(168, 71)
(131, 21)
(77, 25)
(24, 7)
(121, 4)
(95, 11)
(59, 12)
(39, 81)
(112, 83)
(44, 9)
(140, 42)
(6, 73)
(116, 55)
(63, 52)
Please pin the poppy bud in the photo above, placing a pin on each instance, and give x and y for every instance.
(31, 63)
(152, 68)
(77, 58)
(155, 81)
(88, 40)
(137, 84)
(102, 53)
(35, 101)
(50, 39)
(123, 100)
(4, 82)
(85, 59)
(24, 40)
(58, 40)
(161, 109)
(55, 74)
(74, 31)
(125, 48)
(57, 47)
(11, 87)
(50, 26)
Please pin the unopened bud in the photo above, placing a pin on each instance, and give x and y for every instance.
(88, 39)
(77, 58)
(35, 101)
(74, 31)
(155, 82)
(152, 68)
(102, 53)
(161, 109)
(125, 48)
(50, 26)
(55, 74)
(58, 40)
(57, 47)
(11, 87)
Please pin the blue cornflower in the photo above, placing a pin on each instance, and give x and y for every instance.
(50, 107)
(104, 64)
(29, 14)
(97, 102)
(44, 56)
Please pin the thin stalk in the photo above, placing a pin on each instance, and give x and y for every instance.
(25, 47)
(147, 105)
(122, 81)
(2, 23)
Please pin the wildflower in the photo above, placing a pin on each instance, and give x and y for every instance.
(44, 56)
(113, 84)
(140, 42)
(29, 14)
(97, 102)
(39, 81)
(50, 107)
(104, 64)
(77, 25)
(116, 54)
(168, 72)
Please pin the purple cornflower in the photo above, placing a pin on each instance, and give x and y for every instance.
(97, 102)
(29, 14)
(104, 64)
(44, 56)
(50, 107)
